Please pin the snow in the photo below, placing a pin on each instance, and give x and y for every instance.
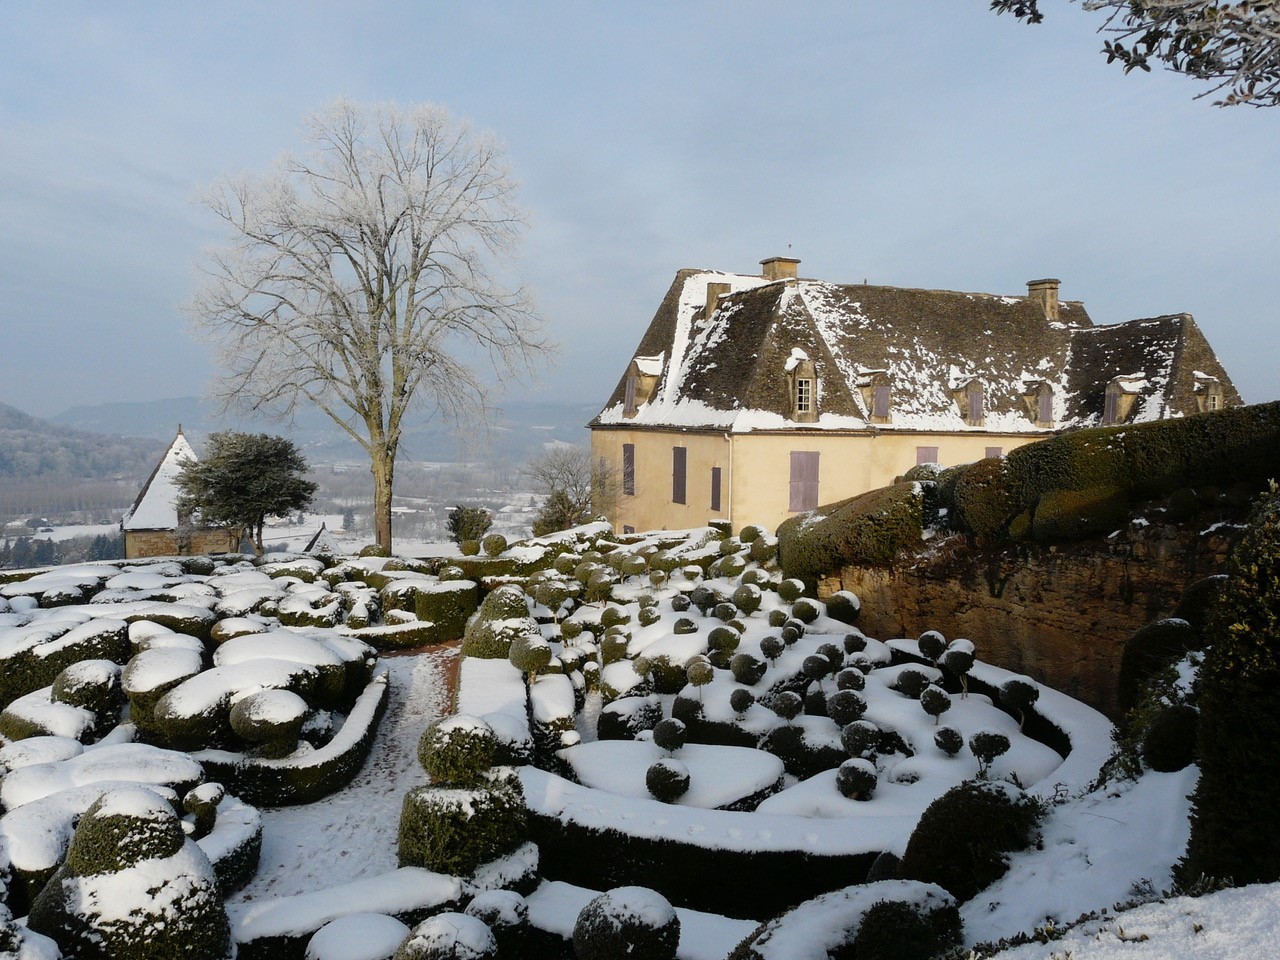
(357, 936)
(357, 825)
(555, 906)
(132, 762)
(452, 935)
(719, 775)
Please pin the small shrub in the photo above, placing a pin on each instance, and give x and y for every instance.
(816, 667)
(455, 830)
(772, 647)
(958, 661)
(948, 740)
(896, 930)
(856, 779)
(740, 701)
(860, 737)
(911, 683)
(723, 638)
(1150, 649)
(815, 702)
(468, 523)
(844, 606)
(506, 914)
(449, 936)
(680, 603)
(684, 625)
(805, 610)
(935, 702)
(787, 705)
(668, 779)
(987, 745)
(791, 590)
(845, 707)
(632, 922)
(1019, 694)
(963, 838)
(747, 669)
(1170, 741)
(700, 673)
(457, 750)
(777, 618)
(670, 734)
(851, 678)
(833, 654)
(747, 598)
(932, 645)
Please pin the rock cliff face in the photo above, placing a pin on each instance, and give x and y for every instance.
(1059, 614)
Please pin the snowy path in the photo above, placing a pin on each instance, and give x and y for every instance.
(352, 834)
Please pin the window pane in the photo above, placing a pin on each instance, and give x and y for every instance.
(629, 469)
(804, 395)
(679, 459)
(715, 488)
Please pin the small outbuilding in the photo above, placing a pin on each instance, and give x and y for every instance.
(152, 526)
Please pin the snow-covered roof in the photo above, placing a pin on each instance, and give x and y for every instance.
(727, 370)
(155, 508)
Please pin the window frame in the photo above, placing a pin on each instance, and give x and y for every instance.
(716, 478)
(629, 469)
(680, 475)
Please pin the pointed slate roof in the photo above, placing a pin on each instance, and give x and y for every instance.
(726, 371)
(155, 507)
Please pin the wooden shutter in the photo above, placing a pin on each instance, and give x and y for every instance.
(926, 455)
(880, 402)
(804, 480)
(1045, 414)
(679, 462)
(629, 469)
(629, 401)
(715, 488)
(994, 452)
(975, 403)
(1111, 409)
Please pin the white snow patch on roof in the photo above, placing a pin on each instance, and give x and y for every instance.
(156, 509)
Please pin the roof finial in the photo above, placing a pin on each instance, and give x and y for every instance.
(179, 429)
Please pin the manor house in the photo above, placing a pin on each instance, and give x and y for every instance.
(754, 397)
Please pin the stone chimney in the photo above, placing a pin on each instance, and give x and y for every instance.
(714, 292)
(1045, 293)
(780, 268)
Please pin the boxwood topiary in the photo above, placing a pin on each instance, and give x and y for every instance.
(871, 528)
(845, 707)
(454, 830)
(1076, 514)
(844, 605)
(896, 930)
(667, 779)
(506, 914)
(777, 618)
(964, 837)
(856, 779)
(92, 684)
(948, 740)
(670, 734)
(805, 610)
(860, 737)
(1150, 649)
(851, 678)
(911, 683)
(458, 750)
(741, 700)
(449, 936)
(748, 669)
(1170, 741)
(772, 647)
(633, 922)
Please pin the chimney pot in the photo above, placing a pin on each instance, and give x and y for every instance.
(780, 268)
(1045, 293)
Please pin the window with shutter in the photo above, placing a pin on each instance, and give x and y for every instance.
(1111, 410)
(926, 455)
(1045, 413)
(715, 488)
(679, 463)
(994, 453)
(629, 469)
(804, 480)
(880, 406)
(974, 396)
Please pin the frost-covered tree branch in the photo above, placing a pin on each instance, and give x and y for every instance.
(364, 278)
(1233, 45)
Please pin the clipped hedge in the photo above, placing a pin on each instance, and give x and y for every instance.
(1235, 821)
(312, 776)
(1081, 481)
(36, 663)
(455, 830)
(871, 528)
(448, 605)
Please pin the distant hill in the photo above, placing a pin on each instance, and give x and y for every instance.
(32, 449)
(513, 436)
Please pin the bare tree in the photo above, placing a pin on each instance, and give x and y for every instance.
(363, 278)
(1235, 46)
(577, 488)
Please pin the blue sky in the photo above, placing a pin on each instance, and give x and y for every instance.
(923, 143)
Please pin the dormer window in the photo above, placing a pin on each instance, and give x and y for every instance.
(876, 390)
(802, 386)
(1038, 397)
(1208, 393)
(969, 397)
(1122, 394)
(642, 379)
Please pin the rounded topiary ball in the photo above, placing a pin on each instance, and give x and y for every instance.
(632, 922)
(845, 707)
(92, 684)
(935, 701)
(932, 644)
(777, 618)
(680, 602)
(376, 934)
(667, 779)
(494, 544)
(854, 643)
(791, 590)
(851, 678)
(747, 669)
(860, 737)
(457, 750)
(900, 928)
(723, 638)
(271, 718)
(670, 734)
(805, 610)
(506, 914)
(844, 606)
(747, 598)
(772, 647)
(1170, 742)
(856, 779)
(787, 705)
(911, 683)
(740, 701)
(948, 740)
(449, 936)
(832, 653)
(816, 667)
(684, 625)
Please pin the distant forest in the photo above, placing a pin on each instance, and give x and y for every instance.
(46, 468)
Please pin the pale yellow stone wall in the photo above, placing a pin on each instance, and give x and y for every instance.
(756, 470)
(652, 508)
(164, 543)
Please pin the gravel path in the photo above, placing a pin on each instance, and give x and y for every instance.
(351, 834)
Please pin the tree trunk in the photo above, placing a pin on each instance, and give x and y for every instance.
(382, 464)
(257, 543)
